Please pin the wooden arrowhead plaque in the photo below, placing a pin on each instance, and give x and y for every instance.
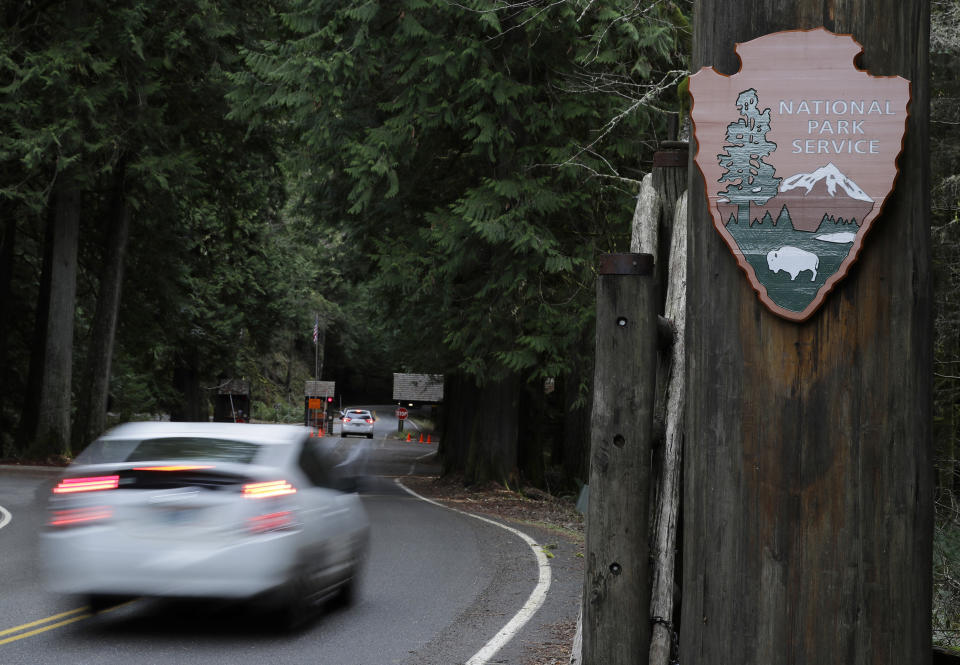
(798, 151)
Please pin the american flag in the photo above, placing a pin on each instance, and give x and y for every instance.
(316, 328)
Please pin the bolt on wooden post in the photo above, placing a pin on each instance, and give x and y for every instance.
(617, 588)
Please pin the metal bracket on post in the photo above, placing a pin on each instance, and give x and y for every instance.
(628, 263)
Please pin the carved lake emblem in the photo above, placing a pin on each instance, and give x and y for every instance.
(798, 153)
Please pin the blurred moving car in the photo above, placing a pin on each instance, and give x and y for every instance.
(212, 510)
(357, 421)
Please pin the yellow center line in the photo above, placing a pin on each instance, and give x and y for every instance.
(39, 621)
(84, 614)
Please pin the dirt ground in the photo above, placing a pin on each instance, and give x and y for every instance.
(530, 507)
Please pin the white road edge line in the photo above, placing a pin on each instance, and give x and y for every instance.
(534, 602)
(5, 517)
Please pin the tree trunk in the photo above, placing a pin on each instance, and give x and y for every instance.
(460, 398)
(493, 453)
(29, 413)
(807, 476)
(95, 386)
(52, 434)
(288, 374)
(7, 383)
(616, 593)
(576, 421)
(532, 435)
(480, 429)
(192, 405)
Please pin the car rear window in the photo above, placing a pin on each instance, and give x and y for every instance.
(108, 451)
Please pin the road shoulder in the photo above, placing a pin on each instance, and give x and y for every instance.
(556, 526)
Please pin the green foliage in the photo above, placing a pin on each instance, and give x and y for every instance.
(446, 146)
(281, 412)
(434, 179)
(216, 271)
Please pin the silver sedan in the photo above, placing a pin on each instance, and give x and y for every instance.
(214, 510)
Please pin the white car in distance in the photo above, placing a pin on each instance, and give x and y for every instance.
(357, 421)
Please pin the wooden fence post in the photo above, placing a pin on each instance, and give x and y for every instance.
(808, 471)
(617, 586)
(671, 374)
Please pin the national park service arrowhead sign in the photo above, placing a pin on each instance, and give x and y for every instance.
(798, 153)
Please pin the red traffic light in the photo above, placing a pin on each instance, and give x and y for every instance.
(329, 399)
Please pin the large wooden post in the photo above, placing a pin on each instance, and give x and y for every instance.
(616, 595)
(808, 472)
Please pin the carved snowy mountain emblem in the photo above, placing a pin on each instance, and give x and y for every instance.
(798, 153)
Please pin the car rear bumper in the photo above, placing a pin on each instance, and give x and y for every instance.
(85, 564)
(358, 431)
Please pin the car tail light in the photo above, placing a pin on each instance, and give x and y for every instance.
(346, 420)
(369, 420)
(91, 484)
(79, 516)
(268, 489)
(279, 521)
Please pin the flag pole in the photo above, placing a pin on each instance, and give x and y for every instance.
(316, 347)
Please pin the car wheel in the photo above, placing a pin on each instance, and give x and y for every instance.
(370, 435)
(299, 599)
(342, 435)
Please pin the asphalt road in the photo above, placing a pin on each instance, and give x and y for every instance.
(438, 586)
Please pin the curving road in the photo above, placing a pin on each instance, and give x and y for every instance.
(439, 586)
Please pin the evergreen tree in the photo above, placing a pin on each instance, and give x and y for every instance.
(115, 112)
(752, 179)
(441, 143)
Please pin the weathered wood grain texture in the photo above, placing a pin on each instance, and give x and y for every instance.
(617, 580)
(576, 651)
(807, 475)
(645, 228)
(669, 182)
(667, 510)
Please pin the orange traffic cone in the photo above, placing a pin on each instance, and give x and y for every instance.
(428, 438)
(408, 437)
(421, 437)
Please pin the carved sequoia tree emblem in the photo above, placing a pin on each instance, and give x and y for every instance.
(798, 153)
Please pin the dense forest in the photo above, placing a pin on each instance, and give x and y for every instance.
(188, 185)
